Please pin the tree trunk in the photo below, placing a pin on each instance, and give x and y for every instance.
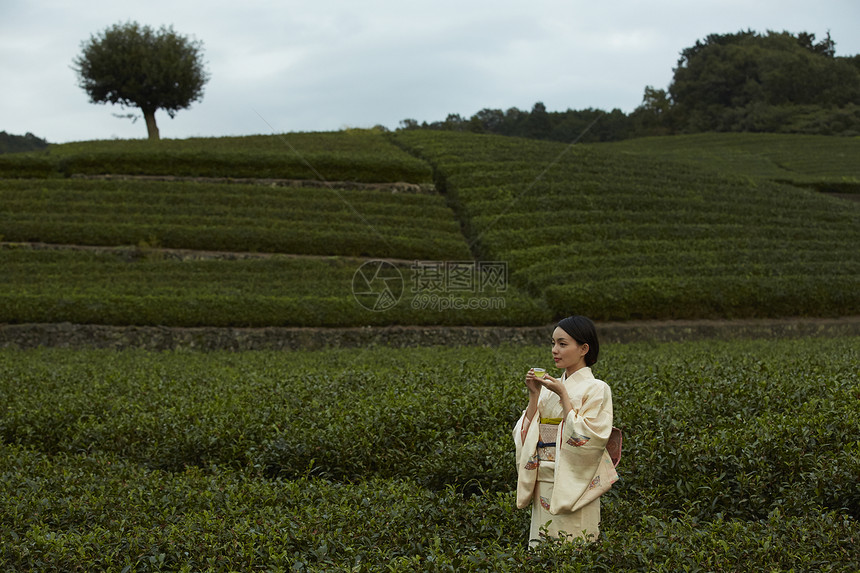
(151, 127)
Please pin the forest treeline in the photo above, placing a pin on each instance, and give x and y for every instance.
(774, 82)
(15, 143)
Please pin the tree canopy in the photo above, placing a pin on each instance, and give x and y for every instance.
(16, 143)
(756, 82)
(136, 66)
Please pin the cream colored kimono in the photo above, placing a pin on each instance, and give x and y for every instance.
(563, 484)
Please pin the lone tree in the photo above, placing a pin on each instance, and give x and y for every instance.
(136, 66)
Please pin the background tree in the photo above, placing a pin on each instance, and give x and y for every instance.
(16, 143)
(752, 82)
(538, 125)
(136, 66)
(652, 117)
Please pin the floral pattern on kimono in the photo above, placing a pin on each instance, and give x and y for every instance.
(576, 440)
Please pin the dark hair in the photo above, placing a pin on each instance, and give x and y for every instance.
(582, 330)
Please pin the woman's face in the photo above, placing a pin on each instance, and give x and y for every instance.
(566, 353)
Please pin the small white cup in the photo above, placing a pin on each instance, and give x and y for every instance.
(539, 372)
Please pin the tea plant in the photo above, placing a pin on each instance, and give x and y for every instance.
(124, 288)
(737, 456)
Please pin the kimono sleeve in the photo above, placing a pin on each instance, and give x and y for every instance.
(525, 436)
(582, 439)
(589, 423)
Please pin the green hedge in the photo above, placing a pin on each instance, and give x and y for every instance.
(27, 165)
(738, 456)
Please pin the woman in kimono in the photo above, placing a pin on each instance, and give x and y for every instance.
(562, 463)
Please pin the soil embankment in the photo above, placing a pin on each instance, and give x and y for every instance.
(286, 338)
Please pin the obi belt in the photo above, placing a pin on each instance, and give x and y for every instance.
(546, 441)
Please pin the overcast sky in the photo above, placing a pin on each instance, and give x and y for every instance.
(319, 65)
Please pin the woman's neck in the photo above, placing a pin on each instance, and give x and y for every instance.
(570, 370)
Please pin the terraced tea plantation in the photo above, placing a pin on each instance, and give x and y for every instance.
(617, 235)
(387, 210)
(688, 227)
(738, 456)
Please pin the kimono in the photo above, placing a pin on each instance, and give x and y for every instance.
(562, 464)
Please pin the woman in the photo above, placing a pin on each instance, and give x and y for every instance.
(562, 463)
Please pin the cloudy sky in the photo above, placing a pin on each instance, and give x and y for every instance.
(285, 65)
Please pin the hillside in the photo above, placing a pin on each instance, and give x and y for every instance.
(277, 230)
(623, 232)
(292, 220)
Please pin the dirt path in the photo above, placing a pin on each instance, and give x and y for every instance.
(395, 187)
(185, 254)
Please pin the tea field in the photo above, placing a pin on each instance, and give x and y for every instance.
(738, 456)
(621, 235)
(818, 162)
(351, 155)
(126, 288)
(668, 228)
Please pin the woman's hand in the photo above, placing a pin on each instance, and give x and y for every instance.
(533, 383)
(555, 385)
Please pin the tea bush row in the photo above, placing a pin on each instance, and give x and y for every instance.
(143, 287)
(284, 237)
(337, 156)
(507, 239)
(153, 196)
(647, 253)
(818, 160)
(821, 293)
(74, 512)
(68, 512)
(231, 218)
(738, 456)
